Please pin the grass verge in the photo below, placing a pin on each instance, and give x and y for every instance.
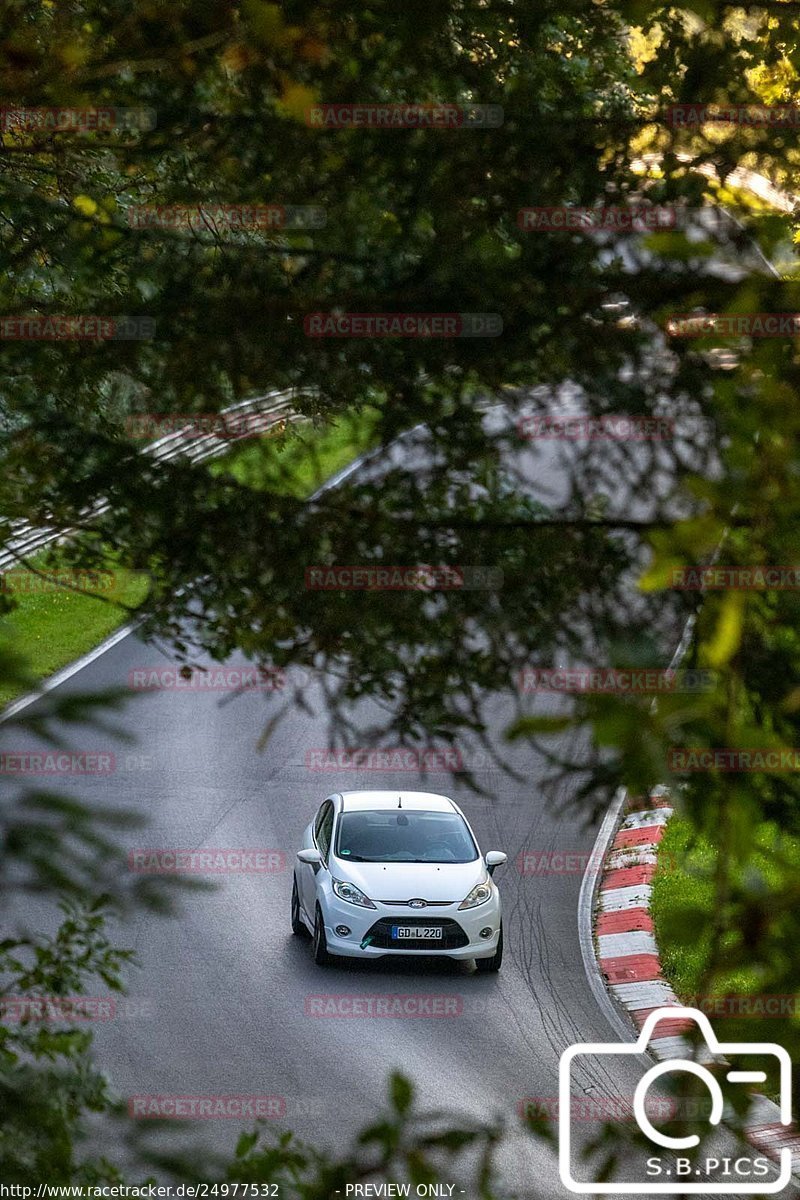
(296, 462)
(52, 626)
(683, 884)
(750, 998)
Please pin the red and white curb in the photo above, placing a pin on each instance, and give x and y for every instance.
(629, 962)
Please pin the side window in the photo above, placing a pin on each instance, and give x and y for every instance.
(325, 830)
(326, 804)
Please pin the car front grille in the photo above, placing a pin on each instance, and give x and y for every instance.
(453, 936)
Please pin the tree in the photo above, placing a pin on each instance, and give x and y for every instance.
(426, 221)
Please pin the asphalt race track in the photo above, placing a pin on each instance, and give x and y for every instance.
(220, 1001)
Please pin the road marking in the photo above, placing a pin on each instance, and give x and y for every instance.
(586, 898)
(48, 685)
(639, 820)
(626, 897)
(626, 920)
(631, 968)
(616, 945)
(632, 856)
(625, 877)
(653, 994)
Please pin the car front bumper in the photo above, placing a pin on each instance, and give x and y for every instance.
(360, 921)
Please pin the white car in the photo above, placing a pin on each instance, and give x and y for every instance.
(396, 873)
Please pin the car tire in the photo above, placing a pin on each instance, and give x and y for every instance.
(321, 956)
(487, 965)
(298, 927)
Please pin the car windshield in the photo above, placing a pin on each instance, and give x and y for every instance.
(405, 836)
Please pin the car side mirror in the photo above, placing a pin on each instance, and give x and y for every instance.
(311, 856)
(495, 859)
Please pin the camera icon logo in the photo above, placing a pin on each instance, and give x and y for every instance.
(680, 1170)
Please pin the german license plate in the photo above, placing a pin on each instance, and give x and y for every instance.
(429, 933)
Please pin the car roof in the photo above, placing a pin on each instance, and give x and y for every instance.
(421, 801)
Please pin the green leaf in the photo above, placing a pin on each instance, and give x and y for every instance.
(401, 1093)
(532, 725)
(245, 1144)
(659, 575)
(727, 636)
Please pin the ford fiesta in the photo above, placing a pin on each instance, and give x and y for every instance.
(396, 873)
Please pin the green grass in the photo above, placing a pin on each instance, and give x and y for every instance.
(50, 627)
(682, 905)
(296, 462)
(683, 882)
(684, 898)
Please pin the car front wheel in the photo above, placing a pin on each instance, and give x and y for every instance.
(321, 956)
(485, 965)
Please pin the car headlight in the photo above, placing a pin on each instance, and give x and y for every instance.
(479, 895)
(352, 894)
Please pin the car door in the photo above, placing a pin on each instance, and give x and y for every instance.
(311, 876)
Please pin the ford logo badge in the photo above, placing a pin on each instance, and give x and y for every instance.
(416, 904)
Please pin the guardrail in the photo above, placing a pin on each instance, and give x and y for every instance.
(27, 539)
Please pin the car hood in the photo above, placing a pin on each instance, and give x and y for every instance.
(408, 881)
